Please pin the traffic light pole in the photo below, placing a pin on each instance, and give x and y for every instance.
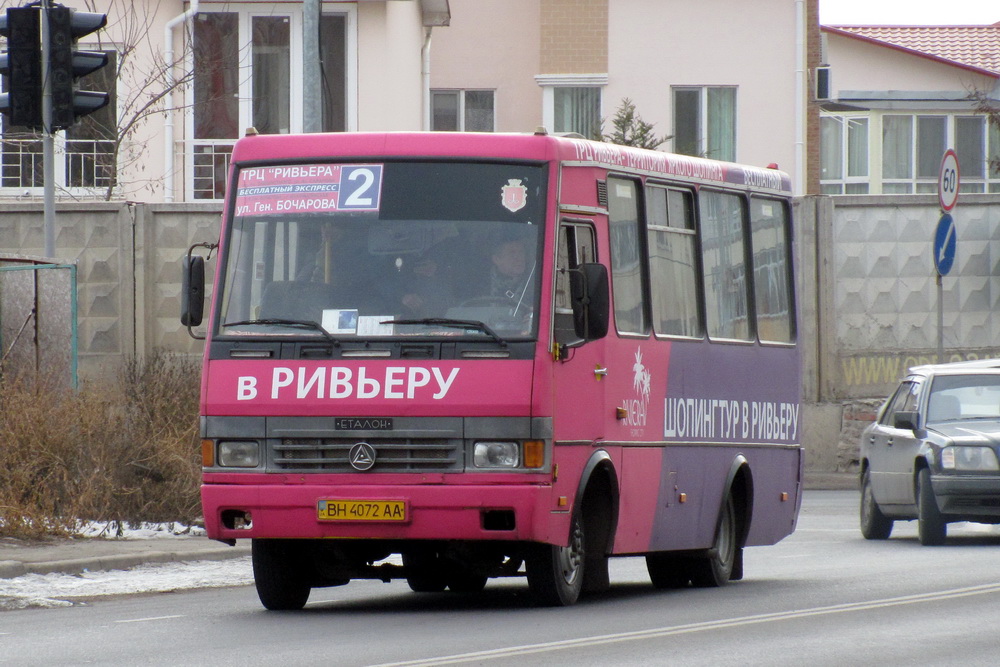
(48, 143)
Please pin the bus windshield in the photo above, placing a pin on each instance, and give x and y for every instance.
(385, 249)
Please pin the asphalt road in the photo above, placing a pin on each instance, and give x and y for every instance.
(824, 596)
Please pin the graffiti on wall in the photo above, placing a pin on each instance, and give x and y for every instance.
(869, 375)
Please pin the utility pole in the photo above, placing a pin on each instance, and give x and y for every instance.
(312, 83)
(48, 139)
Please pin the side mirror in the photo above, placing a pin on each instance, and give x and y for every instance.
(591, 302)
(905, 419)
(193, 290)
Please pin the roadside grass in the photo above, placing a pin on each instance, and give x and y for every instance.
(121, 451)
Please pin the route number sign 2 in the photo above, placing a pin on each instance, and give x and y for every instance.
(948, 180)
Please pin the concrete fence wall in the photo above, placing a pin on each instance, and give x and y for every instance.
(128, 259)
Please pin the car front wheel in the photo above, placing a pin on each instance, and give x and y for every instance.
(874, 524)
(931, 526)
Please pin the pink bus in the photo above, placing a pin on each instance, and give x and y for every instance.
(450, 357)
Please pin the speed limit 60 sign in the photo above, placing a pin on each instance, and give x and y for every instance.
(948, 180)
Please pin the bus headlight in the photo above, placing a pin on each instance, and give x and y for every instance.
(496, 455)
(239, 453)
(969, 458)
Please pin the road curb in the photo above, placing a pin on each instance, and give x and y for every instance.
(10, 569)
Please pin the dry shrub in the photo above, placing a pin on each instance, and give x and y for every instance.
(123, 451)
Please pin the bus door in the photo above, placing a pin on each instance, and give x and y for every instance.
(579, 373)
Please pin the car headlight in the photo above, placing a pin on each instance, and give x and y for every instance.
(969, 458)
(239, 453)
(496, 455)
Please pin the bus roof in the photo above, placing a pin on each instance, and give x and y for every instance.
(284, 148)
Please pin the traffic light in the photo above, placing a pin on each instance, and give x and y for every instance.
(22, 64)
(67, 65)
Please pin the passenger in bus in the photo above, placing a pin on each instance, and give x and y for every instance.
(426, 291)
(512, 271)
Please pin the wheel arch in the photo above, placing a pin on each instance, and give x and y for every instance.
(599, 482)
(739, 482)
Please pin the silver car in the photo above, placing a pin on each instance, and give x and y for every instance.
(932, 453)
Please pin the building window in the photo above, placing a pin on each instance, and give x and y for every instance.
(844, 155)
(463, 110)
(912, 148)
(577, 110)
(573, 103)
(705, 121)
(85, 154)
(243, 77)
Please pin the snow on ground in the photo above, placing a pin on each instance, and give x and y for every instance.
(59, 590)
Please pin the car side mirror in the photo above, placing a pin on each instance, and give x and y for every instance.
(591, 301)
(906, 419)
(193, 290)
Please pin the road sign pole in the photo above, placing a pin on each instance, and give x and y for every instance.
(945, 236)
(940, 320)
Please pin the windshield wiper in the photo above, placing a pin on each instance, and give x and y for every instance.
(454, 324)
(303, 324)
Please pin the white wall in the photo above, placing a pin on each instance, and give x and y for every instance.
(493, 44)
(656, 44)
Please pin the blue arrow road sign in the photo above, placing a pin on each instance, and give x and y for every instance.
(945, 240)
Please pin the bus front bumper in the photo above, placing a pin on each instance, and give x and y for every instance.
(521, 512)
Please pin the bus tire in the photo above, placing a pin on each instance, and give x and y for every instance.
(424, 573)
(280, 574)
(555, 573)
(716, 568)
(931, 526)
(466, 582)
(874, 524)
(668, 571)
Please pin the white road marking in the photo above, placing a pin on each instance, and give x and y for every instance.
(653, 633)
(151, 618)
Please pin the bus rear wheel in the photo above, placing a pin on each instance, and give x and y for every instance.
(424, 573)
(716, 568)
(555, 573)
(280, 574)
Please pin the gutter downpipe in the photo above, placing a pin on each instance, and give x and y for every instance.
(168, 123)
(425, 76)
(800, 98)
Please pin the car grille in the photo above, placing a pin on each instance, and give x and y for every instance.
(392, 454)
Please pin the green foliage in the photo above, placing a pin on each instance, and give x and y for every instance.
(629, 129)
(122, 450)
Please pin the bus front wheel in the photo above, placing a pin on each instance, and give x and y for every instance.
(279, 573)
(555, 573)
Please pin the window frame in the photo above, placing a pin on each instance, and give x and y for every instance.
(549, 82)
(642, 251)
(461, 111)
(67, 162)
(218, 150)
(705, 138)
(692, 234)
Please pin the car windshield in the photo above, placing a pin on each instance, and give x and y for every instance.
(955, 397)
(381, 250)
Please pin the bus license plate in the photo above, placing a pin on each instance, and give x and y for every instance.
(362, 510)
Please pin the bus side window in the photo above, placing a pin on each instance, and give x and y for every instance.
(772, 281)
(628, 256)
(673, 262)
(724, 269)
(575, 246)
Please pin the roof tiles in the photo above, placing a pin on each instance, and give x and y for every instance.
(968, 46)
